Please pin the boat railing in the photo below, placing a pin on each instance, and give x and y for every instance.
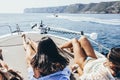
(65, 31)
(17, 30)
(91, 37)
(9, 27)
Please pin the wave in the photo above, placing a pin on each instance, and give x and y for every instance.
(90, 19)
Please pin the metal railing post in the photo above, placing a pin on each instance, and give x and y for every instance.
(10, 29)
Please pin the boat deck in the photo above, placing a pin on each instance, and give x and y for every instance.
(14, 54)
(13, 51)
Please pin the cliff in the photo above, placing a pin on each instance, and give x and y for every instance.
(98, 8)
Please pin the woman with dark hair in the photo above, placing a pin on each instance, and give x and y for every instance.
(47, 63)
(6, 73)
(89, 66)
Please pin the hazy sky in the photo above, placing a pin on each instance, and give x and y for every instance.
(17, 6)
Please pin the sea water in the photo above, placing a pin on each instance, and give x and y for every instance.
(107, 26)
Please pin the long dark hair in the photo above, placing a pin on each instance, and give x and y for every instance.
(48, 58)
(114, 55)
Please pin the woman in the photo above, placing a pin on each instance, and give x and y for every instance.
(6, 73)
(45, 63)
(89, 66)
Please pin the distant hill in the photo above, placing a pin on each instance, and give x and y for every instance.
(96, 8)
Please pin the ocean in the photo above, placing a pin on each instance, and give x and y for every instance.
(107, 26)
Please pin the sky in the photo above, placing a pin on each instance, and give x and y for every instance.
(18, 6)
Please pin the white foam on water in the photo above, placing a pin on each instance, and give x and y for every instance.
(90, 19)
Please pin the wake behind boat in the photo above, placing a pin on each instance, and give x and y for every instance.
(13, 51)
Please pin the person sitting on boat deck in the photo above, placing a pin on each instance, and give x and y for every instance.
(89, 66)
(45, 61)
(5, 72)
